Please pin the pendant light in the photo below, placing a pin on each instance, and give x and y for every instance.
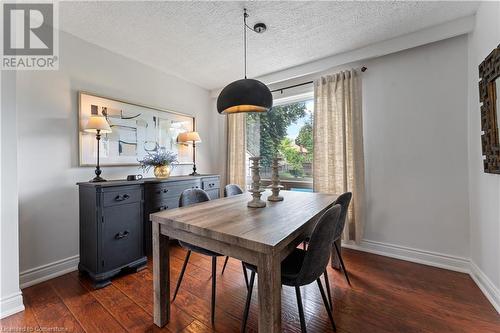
(245, 95)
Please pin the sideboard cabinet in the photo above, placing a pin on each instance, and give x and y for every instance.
(115, 231)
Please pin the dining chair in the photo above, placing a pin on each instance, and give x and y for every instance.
(343, 200)
(229, 191)
(189, 197)
(303, 267)
(232, 189)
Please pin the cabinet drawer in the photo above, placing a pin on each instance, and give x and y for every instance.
(212, 183)
(163, 191)
(121, 235)
(121, 196)
(159, 205)
(213, 194)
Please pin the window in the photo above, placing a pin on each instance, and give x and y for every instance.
(285, 131)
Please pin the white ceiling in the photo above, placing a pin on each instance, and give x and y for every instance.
(201, 42)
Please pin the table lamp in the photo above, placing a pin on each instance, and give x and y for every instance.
(98, 125)
(187, 138)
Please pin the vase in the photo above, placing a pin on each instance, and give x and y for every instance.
(162, 171)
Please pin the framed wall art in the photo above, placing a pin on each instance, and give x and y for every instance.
(136, 128)
(489, 96)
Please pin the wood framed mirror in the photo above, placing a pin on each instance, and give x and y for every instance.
(489, 96)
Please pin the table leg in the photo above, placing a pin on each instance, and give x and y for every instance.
(161, 277)
(334, 257)
(269, 274)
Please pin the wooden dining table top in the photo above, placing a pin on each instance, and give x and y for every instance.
(260, 229)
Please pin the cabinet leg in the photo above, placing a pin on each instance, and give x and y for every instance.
(101, 283)
(138, 269)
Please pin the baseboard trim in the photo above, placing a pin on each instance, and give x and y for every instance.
(429, 258)
(11, 304)
(49, 271)
(489, 290)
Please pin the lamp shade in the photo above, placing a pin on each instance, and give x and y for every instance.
(189, 137)
(245, 95)
(97, 123)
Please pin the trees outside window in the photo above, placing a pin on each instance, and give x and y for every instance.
(285, 131)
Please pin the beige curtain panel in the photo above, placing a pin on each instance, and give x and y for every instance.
(338, 164)
(236, 149)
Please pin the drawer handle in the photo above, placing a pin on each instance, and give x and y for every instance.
(211, 185)
(122, 197)
(121, 235)
(193, 187)
(163, 207)
(162, 191)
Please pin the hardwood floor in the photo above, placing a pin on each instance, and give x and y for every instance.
(387, 295)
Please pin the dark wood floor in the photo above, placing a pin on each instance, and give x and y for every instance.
(387, 295)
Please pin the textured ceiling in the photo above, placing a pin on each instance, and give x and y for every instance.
(201, 42)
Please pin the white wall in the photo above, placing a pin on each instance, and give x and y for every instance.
(47, 109)
(484, 187)
(415, 138)
(10, 295)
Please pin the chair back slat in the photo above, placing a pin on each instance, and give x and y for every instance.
(192, 196)
(343, 200)
(318, 251)
(232, 189)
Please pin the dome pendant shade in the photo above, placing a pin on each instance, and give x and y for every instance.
(245, 95)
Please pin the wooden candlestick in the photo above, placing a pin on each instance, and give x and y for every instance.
(275, 185)
(256, 191)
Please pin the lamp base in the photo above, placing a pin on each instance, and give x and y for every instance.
(194, 173)
(97, 179)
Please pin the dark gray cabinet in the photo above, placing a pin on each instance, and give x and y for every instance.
(115, 231)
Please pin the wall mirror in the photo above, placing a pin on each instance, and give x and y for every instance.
(489, 96)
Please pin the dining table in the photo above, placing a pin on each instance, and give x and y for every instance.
(259, 236)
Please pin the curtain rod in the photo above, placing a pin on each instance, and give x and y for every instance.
(363, 69)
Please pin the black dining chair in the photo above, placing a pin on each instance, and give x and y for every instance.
(189, 197)
(303, 267)
(343, 200)
(229, 191)
(232, 189)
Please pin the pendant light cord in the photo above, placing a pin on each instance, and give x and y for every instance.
(245, 15)
(245, 27)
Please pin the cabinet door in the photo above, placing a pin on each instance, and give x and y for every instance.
(121, 235)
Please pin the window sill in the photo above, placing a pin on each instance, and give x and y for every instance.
(290, 183)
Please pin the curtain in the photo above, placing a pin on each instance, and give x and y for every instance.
(338, 164)
(236, 144)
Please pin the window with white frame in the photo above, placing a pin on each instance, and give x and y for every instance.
(285, 131)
